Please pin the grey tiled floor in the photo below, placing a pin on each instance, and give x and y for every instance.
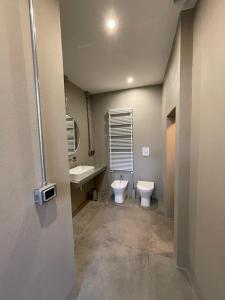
(126, 252)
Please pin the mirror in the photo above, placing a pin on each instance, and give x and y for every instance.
(73, 136)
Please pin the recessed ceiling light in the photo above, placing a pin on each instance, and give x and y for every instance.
(130, 79)
(111, 25)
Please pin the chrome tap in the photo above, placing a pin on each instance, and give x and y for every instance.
(74, 161)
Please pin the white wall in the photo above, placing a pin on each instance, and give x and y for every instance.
(37, 260)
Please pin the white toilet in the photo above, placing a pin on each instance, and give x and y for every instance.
(145, 189)
(119, 188)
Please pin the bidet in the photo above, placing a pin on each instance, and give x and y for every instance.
(119, 188)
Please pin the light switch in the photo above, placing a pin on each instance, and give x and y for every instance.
(145, 151)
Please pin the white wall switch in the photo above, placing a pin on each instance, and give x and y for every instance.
(145, 151)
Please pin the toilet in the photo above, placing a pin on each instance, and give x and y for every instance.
(145, 189)
(119, 188)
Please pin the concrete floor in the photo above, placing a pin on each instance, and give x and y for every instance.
(126, 252)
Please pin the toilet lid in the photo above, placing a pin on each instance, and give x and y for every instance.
(145, 185)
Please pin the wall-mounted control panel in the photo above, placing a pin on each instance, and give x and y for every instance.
(145, 151)
(45, 193)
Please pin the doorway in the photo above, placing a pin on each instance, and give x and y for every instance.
(170, 162)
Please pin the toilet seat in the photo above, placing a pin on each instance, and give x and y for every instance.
(145, 185)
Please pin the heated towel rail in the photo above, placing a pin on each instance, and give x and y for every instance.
(121, 139)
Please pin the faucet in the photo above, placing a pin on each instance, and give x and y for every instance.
(74, 161)
(121, 177)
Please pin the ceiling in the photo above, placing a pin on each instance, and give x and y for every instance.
(98, 60)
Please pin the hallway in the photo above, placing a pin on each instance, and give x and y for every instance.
(89, 91)
(126, 252)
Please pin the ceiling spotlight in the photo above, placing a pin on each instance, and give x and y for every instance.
(111, 24)
(130, 79)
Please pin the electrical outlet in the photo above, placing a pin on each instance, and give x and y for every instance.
(45, 193)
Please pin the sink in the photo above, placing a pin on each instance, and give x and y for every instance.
(80, 172)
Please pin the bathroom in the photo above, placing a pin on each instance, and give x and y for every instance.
(140, 148)
(145, 104)
(112, 150)
(115, 152)
(101, 220)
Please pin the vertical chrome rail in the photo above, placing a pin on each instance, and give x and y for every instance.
(37, 91)
(47, 191)
(91, 151)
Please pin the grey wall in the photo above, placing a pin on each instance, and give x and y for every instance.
(201, 93)
(177, 93)
(170, 100)
(76, 108)
(37, 260)
(207, 185)
(146, 103)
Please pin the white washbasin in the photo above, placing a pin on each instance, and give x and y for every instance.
(80, 172)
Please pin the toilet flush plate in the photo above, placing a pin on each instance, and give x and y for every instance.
(145, 151)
